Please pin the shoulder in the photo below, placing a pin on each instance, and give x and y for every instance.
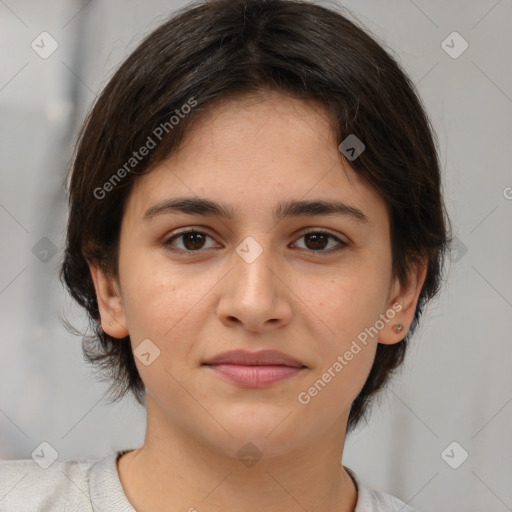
(25, 486)
(371, 500)
(68, 485)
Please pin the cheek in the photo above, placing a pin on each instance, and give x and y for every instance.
(347, 306)
(159, 306)
(165, 303)
(348, 300)
(158, 300)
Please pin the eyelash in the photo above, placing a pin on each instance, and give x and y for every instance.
(341, 244)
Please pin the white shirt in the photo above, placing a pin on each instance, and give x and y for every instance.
(93, 485)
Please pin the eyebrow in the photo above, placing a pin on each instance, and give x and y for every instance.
(207, 207)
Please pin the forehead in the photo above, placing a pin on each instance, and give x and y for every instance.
(252, 153)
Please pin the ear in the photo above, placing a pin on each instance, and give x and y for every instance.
(403, 300)
(108, 295)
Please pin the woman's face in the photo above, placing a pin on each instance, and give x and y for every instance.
(258, 280)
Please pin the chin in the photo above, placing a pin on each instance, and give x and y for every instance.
(266, 437)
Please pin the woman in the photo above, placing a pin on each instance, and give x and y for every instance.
(256, 223)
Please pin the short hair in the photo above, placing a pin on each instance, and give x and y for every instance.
(213, 50)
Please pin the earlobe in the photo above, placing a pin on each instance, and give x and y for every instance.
(404, 299)
(110, 305)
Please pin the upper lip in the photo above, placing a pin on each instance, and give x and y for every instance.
(261, 358)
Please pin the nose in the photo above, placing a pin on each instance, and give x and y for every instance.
(254, 294)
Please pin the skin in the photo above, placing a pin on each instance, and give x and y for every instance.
(251, 154)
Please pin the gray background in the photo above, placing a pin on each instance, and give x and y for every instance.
(456, 384)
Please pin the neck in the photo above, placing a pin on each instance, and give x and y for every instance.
(174, 471)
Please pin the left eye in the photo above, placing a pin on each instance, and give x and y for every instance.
(316, 241)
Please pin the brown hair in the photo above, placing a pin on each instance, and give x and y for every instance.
(215, 49)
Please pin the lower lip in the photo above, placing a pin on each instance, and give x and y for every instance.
(255, 376)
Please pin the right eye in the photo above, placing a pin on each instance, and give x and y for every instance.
(189, 241)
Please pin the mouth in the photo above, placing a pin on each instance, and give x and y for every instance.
(255, 369)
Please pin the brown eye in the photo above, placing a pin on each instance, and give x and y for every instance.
(319, 241)
(316, 241)
(195, 241)
(191, 241)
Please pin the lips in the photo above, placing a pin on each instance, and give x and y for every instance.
(255, 369)
(262, 358)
